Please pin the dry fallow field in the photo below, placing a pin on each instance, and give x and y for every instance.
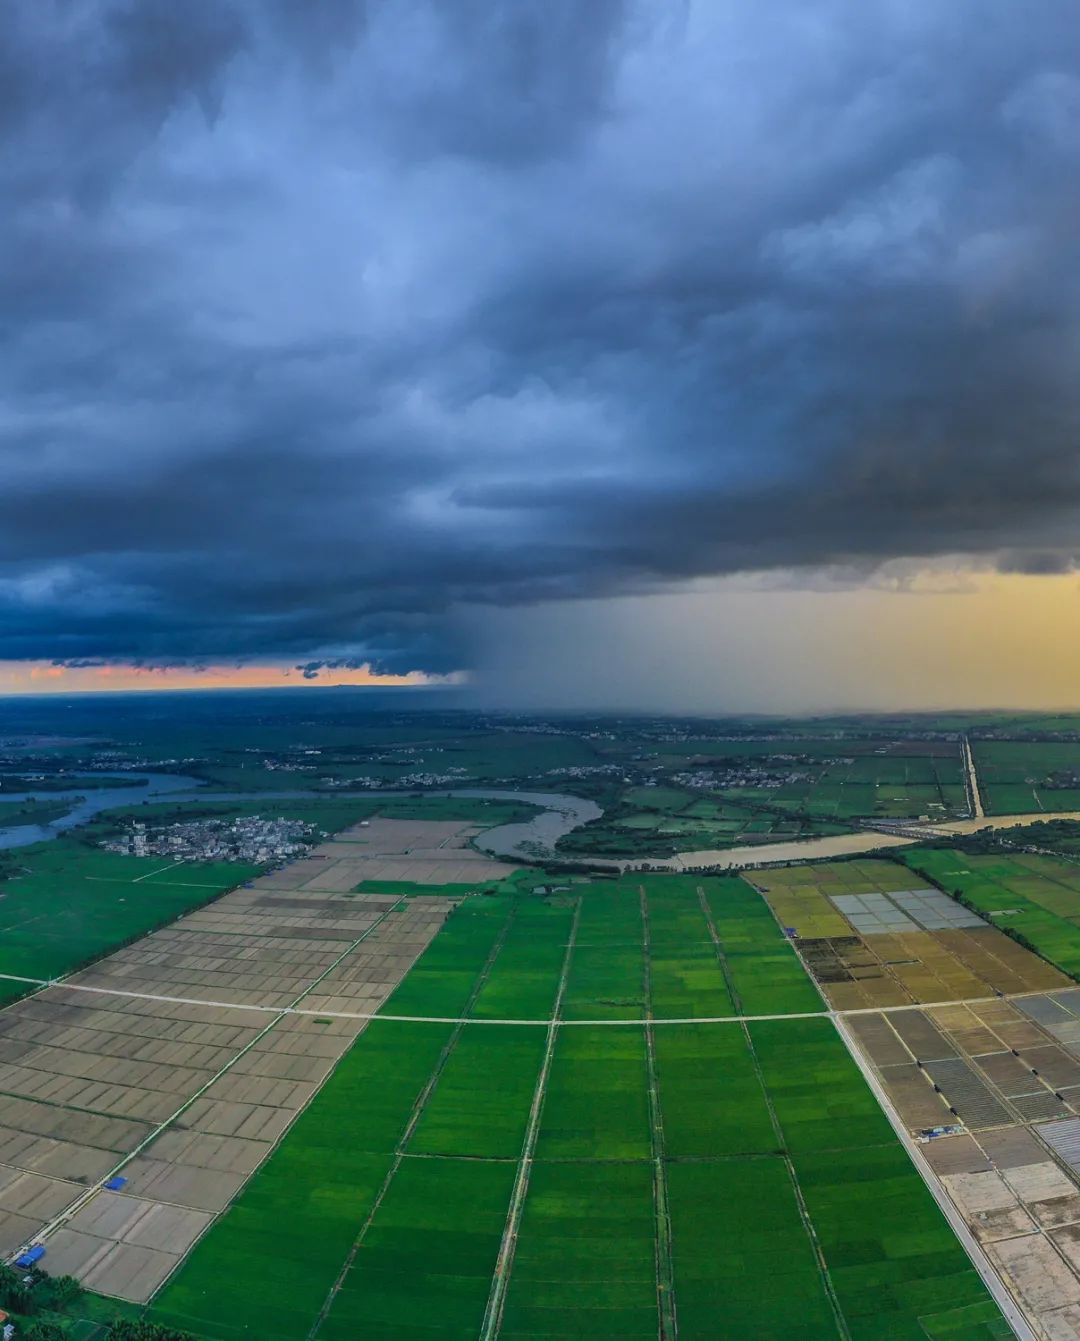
(178, 1062)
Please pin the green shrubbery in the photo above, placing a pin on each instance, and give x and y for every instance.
(139, 1329)
(34, 1298)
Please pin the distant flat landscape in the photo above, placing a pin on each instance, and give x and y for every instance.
(393, 1083)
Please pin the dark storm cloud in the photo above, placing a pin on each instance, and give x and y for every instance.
(324, 322)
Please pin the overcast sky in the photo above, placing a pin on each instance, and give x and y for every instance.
(348, 330)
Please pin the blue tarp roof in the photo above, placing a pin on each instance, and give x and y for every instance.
(31, 1256)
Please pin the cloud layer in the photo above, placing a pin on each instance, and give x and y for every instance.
(324, 321)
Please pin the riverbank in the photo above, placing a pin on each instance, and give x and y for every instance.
(530, 841)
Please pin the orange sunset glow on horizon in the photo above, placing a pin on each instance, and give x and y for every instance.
(44, 677)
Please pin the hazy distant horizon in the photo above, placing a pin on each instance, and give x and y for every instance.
(438, 700)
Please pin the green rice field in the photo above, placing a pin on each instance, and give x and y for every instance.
(731, 792)
(69, 903)
(1031, 896)
(1018, 777)
(855, 778)
(553, 1159)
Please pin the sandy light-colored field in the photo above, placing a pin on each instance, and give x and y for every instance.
(1006, 1076)
(175, 1064)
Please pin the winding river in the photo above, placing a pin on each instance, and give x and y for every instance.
(533, 838)
(86, 804)
(558, 813)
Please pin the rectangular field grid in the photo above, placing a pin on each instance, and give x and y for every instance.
(176, 1063)
(1013, 1172)
(462, 1168)
(585, 1260)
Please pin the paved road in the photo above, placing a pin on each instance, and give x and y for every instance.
(43, 983)
(977, 811)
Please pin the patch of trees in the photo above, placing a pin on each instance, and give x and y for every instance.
(1057, 835)
(140, 1329)
(32, 1295)
(607, 841)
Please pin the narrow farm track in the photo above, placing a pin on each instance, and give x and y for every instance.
(800, 1200)
(971, 778)
(665, 1264)
(278, 1015)
(416, 1113)
(42, 984)
(714, 935)
(975, 1251)
(778, 1132)
(504, 1265)
(160, 871)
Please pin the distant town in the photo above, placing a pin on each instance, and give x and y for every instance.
(748, 775)
(250, 838)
